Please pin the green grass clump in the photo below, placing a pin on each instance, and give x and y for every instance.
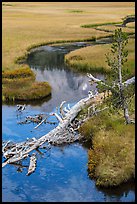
(111, 158)
(20, 84)
(35, 91)
(18, 73)
(99, 24)
(6, 4)
(75, 11)
(128, 16)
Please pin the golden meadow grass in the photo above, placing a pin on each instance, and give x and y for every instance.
(25, 24)
(93, 58)
(131, 25)
(19, 90)
(111, 28)
(20, 84)
(28, 24)
(18, 73)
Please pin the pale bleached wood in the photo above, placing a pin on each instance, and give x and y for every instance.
(32, 165)
(61, 134)
(55, 136)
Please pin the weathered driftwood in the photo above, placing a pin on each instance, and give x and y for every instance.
(126, 83)
(14, 160)
(39, 119)
(35, 119)
(32, 165)
(40, 123)
(129, 81)
(21, 107)
(65, 132)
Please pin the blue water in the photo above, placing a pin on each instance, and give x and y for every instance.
(61, 173)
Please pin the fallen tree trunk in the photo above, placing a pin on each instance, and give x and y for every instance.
(63, 133)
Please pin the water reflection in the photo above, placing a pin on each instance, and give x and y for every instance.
(61, 176)
(48, 64)
(124, 193)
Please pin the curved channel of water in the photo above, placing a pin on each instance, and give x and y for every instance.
(61, 173)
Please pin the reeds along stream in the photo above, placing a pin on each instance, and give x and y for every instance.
(61, 173)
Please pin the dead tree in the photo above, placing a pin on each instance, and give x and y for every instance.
(65, 132)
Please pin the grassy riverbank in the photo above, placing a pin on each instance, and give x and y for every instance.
(93, 59)
(20, 84)
(31, 24)
(111, 158)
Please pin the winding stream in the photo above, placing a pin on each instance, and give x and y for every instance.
(61, 173)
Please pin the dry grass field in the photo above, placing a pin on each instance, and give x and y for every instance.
(28, 23)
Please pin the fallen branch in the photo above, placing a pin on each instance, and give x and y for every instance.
(61, 109)
(95, 80)
(35, 119)
(58, 135)
(32, 165)
(12, 159)
(129, 81)
(58, 117)
(40, 123)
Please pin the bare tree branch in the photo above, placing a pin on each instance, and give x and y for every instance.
(40, 123)
(126, 83)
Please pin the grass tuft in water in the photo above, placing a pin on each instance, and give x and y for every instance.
(20, 84)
